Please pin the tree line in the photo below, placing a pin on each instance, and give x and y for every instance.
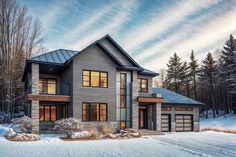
(20, 39)
(212, 81)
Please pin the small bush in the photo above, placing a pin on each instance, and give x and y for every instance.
(22, 125)
(68, 126)
(106, 130)
(95, 135)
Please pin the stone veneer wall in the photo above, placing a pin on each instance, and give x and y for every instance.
(35, 91)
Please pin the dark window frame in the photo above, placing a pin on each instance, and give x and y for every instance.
(50, 113)
(47, 85)
(90, 80)
(125, 89)
(140, 85)
(99, 112)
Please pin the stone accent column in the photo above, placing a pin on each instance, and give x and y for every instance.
(172, 119)
(35, 91)
(150, 122)
(196, 126)
(135, 103)
(158, 117)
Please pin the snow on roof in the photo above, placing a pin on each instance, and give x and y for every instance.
(174, 98)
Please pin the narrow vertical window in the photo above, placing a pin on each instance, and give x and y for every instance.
(94, 79)
(103, 79)
(47, 113)
(103, 112)
(86, 78)
(122, 90)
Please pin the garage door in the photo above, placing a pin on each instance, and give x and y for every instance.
(165, 122)
(183, 122)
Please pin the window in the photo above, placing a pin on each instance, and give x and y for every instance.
(122, 124)
(183, 109)
(143, 85)
(94, 112)
(47, 113)
(47, 86)
(122, 90)
(95, 79)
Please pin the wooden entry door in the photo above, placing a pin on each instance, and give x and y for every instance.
(143, 118)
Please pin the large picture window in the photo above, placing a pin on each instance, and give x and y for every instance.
(47, 86)
(143, 85)
(52, 112)
(95, 79)
(47, 113)
(94, 112)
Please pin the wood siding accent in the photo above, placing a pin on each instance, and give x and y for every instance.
(150, 99)
(55, 98)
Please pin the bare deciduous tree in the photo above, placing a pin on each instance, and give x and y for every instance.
(20, 39)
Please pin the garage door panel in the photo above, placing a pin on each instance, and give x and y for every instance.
(183, 123)
(165, 122)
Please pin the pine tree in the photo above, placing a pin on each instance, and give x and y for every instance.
(228, 71)
(208, 74)
(184, 78)
(193, 67)
(174, 72)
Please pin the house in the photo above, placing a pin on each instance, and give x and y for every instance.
(103, 86)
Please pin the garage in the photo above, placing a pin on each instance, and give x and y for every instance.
(165, 123)
(183, 123)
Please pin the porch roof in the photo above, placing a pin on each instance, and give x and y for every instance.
(174, 98)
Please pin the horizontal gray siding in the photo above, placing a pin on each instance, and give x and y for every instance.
(94, 58)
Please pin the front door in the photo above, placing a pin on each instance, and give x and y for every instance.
(143, 118)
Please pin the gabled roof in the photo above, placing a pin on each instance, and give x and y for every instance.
(63, 57)
(174, 98)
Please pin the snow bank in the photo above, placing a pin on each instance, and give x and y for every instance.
(82, 134)
(222, 122)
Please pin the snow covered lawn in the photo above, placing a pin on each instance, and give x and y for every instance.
(225, 122)
(176, 144)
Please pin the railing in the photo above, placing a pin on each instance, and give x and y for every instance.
(51, 88)
(54, 88)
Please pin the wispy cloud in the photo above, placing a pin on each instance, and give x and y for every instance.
(162, 21)
(120, 16)
(202, 38)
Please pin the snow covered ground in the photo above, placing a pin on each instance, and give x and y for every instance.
(225, 121)
(172, 144)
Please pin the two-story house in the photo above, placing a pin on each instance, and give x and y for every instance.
(101, 85)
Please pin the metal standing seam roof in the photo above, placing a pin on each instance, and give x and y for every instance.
(174, 98)
(59, 56)
(62, 56)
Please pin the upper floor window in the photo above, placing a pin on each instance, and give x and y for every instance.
(94, 112)
(95, 79)
(143, 85)
(47, 86)
(123, 90)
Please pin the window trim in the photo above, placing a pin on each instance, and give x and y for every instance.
(100, 78)
(140, 85)
(99, 111)
(50, 113)
(47, 85)
(124, 95)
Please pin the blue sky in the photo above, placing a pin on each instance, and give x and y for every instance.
(149, 30)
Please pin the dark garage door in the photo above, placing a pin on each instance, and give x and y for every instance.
(165, 122)
(183, 123)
